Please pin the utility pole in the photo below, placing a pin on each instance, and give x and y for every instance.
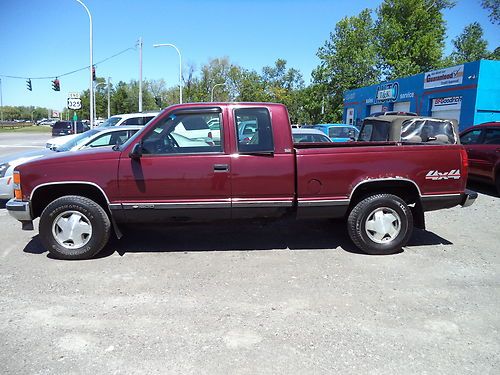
(140, 74)
(109, 107)
(1, 101)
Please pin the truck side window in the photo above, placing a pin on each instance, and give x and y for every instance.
(182, 134)
(492, 137)
(254, 131)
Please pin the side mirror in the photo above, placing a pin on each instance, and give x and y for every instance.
(136, 152)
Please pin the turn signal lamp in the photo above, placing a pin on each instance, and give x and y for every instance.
(17, 185)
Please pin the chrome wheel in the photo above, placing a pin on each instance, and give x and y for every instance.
(383, 225)
(72, 229)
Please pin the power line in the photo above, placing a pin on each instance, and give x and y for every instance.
(73, 71)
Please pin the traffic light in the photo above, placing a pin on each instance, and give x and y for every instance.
(158, 101)
(28, 84)
(56, 85)
(93, 73)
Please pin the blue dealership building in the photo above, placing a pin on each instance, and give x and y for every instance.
(469, 93)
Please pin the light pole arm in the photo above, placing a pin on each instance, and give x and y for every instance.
(213, 88)
(180, 65)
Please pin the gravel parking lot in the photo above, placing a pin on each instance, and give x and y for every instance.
(277, 298)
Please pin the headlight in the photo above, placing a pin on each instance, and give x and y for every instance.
(3, 169)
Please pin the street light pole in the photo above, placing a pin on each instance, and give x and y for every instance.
(109, 106)
(91, 92)
(1, 101)
(212, 95)
(180, 66)
(140, 74)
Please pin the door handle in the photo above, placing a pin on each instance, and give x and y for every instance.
(221, 168)
(497, 150)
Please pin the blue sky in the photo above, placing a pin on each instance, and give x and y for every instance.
(50, 37)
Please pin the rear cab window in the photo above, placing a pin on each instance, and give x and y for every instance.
(428, 130)
(375, 131)
(253, 130)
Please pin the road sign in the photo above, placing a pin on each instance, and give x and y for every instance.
(74, 103)
(73, 95)
(55, 114)
(75, 116)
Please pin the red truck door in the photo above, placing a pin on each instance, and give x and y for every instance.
(483, 149)
(182, 173)
(262, 162)
(488, 152)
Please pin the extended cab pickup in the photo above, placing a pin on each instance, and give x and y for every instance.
(381, 188)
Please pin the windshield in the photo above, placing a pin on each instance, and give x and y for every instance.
(112, 121)
(79, 139)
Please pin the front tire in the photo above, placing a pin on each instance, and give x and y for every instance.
(380, 224)
(74, 227)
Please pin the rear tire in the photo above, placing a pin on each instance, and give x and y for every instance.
(74, 227)
(380, 224)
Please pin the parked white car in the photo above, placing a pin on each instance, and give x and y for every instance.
(97, 137)
(117, 120)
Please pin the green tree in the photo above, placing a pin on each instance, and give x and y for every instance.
(249, 86)
(281, 84)
(410, 36)
(470, 45)
(494, 7)
(348, 60)
(495, 55)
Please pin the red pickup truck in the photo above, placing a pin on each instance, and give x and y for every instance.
(382, 189)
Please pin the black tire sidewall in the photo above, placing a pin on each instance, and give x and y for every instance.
(406, 219)
(93, 212)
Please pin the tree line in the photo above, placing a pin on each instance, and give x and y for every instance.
(400, 38)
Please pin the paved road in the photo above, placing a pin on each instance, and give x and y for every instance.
(19, 142)
(282, 298)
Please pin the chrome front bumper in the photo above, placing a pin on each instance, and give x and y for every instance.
(468, 198)
(19, 210)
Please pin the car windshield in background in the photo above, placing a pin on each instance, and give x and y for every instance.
(375, 131)
(112, 121)
(304, 137)
(77, 140)
(342, 132)
(425, 130)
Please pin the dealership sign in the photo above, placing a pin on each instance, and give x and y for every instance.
(447, 104)
(444, 77)
(387, 92)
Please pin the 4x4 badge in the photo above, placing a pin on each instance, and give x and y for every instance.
(454, 174)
